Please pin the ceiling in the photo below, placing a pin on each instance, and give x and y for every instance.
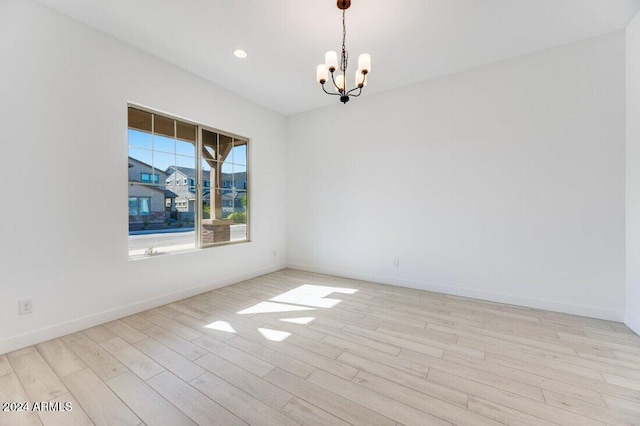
(409, 40)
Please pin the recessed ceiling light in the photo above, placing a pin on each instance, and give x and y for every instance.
(240, 53)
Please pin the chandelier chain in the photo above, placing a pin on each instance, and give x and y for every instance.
(345, 56)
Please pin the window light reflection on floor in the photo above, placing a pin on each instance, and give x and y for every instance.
(312, 295)
(301, 320)
(306, 297)
(270, 307)
(274, 335)
(220, 326)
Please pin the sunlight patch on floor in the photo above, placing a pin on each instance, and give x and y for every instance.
(270, 307)
(274, 335)
(313, 295)
(220, 326)
(306, 297)
(301, 320)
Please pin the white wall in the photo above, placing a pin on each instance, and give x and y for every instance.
(503, 183)
(632, 313)
(64, 90)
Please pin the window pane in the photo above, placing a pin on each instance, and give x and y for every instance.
(209, 152)
(133, 206)
(239, 216)
(145, 208)
(227, 167)
(216, 197)
(138, 156)
(186, 148)
(208, 173)
(164, 144)
(140, 139)
(239, 152)
(163, 161)
(239, 177)
(187, 162)
(163, 126)
(240, 201)
(226, 204)
(139, 120)
(225, 145)
(209, 145)
(158, 223)
(209, 158)
(206, 203)
(186, 132)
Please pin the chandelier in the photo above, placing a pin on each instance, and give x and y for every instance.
(331, 66)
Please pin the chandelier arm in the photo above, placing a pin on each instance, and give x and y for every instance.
(353, 90)
(364, 80)
(329, 93)
(359, 93)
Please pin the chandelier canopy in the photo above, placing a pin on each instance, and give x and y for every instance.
(331, 66)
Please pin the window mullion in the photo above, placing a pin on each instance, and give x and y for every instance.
(199, 200)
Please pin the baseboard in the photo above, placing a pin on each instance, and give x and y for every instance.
(42, 335)
(549, 305)
(633, 322)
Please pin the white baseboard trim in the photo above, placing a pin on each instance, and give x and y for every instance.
(633, 322)
(47, 333)
(549, 305)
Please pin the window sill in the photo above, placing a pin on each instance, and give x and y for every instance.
(161, 251)
(165, 251)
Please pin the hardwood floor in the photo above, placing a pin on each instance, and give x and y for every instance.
(298, 348)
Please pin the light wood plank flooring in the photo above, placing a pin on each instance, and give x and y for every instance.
(298, 348)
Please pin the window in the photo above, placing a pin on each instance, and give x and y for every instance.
(133, 206)
(165, 154)
(139, 206)
(144, 203)
(224, 161)
(146, 178)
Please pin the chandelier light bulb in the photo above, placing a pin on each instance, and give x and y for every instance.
(340, 83)
(331, 60)
(321, 74)
(364, 63)
(360, 79)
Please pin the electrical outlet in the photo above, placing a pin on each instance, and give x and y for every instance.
(25, 307)
(396, 263)
(275, 253)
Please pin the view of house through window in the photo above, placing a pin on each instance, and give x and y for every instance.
(174, 204)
